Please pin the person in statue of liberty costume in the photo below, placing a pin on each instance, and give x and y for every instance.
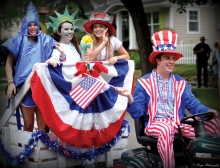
(27, 47)
(68, 49)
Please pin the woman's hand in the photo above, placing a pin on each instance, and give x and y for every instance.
(11, 90)
(113, 60)
(59, 48)
(105, 36)
(85, 58)
(53, 61)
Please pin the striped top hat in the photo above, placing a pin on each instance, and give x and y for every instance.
(100, 18)
(164, 41)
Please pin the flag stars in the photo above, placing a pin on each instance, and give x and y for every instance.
(165, 48)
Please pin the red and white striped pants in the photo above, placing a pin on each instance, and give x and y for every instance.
(164, 130)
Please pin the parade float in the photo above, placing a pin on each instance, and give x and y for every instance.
(79, 134)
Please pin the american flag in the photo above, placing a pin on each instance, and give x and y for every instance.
(86, 91)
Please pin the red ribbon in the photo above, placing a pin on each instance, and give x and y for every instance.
(97, 69)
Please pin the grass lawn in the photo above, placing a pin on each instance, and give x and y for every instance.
(186, 71)
(2, 75)
(208, 97)
(2, 72)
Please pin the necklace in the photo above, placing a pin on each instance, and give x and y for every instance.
(163, 95)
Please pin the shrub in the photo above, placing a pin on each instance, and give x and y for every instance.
(134, 55)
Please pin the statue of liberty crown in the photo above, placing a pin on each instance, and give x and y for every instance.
(62, 18)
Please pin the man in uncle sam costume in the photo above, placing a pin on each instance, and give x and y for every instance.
(162, 97)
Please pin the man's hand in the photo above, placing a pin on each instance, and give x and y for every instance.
(215, 112)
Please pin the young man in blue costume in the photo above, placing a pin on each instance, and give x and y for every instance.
(23, 50)
(162, 97)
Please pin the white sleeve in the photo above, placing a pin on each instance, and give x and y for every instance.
(116, 43)
(56, 54)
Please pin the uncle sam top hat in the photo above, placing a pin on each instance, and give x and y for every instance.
(164, 41)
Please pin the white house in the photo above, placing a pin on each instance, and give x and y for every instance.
(198, 21)
(190, 26)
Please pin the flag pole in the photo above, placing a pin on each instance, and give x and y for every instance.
(99, 80)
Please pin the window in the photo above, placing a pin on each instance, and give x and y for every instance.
(193, 21)
(125, 25)
(153, 21)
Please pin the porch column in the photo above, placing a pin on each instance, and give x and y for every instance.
(171, 16)
(132, 35)
(119, 27)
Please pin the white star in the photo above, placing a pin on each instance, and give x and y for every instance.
(165, 48)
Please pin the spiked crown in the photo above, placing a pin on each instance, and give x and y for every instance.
(62, 18)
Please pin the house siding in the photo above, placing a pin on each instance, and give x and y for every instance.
(208, 25)
(166, 21)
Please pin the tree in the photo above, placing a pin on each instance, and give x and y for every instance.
(12, 10)
(16, 9)
(183, 4)
(136, 10)
(143, 38)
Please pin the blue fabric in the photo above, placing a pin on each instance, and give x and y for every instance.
(28, 101)
(109, 96)
(26, 54)
(18, 118)
(30, 17)
(141, 100)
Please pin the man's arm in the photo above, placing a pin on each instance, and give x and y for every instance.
(197, 50)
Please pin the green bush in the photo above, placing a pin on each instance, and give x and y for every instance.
(79, 35)
(134, 55)
(2, 55)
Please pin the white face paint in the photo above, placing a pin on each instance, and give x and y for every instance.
(67, 32)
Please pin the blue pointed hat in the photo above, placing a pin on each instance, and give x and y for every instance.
(30, 16)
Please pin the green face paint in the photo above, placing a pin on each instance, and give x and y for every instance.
(67, 31)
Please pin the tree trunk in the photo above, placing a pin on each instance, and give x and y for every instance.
(136, 10)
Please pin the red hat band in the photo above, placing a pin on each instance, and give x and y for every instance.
(100, 16)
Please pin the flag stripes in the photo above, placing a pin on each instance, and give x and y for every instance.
(86, 91)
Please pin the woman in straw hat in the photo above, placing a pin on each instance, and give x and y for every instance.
(104, 43)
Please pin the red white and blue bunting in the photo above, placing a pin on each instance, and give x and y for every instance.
(55, 146)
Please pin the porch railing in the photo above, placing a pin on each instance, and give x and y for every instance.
(188, 56)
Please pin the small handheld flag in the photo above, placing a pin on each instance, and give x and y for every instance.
(86, 91)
